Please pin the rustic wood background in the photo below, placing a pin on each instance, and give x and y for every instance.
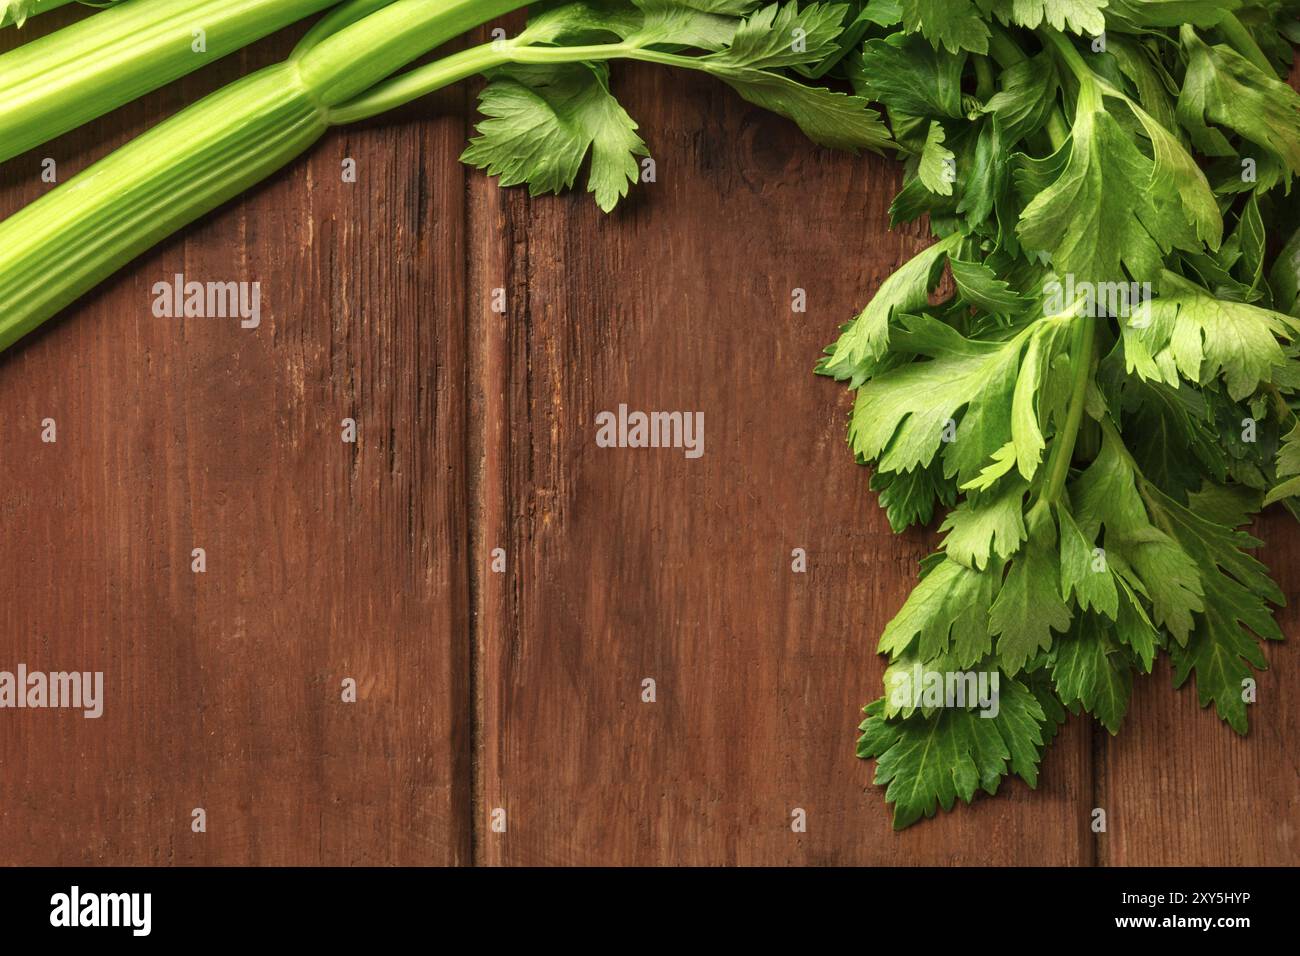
(519, 690)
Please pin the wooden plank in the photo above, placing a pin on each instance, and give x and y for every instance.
(325, 560)
(628, 564)
(496, 280)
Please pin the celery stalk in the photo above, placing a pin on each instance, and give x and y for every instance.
(66, 78)
(342, 72)
(351, 61)
(121, 206)
(205, 155)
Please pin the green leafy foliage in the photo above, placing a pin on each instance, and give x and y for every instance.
(549, 112)
(1088, 378)
(954, 25)
(543, 121)
(1225, 91)
(929, 761)
(1094, 672)
(16, 11)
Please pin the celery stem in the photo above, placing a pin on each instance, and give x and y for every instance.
(1003, 48)
(210, 152)
(984, 83)
(66, 78)
(452, 69)
(348, 63)
(1081, 352)
(1057, 130)
(1069, 56)
(341, 16)
(419, 82)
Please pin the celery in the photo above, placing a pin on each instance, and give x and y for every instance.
(66, 78)
(341, 72)
(205, 155)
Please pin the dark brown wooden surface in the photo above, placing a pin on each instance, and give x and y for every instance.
(325, 560)
(518, 690)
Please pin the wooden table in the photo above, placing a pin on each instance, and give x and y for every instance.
(519, 690)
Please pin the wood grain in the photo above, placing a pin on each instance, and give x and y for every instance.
(325, 560)
(629, 564)
(520, 690)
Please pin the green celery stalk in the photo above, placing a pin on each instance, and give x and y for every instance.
(75, 236)
(66, 78)
(210, 152)
(341, 72)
